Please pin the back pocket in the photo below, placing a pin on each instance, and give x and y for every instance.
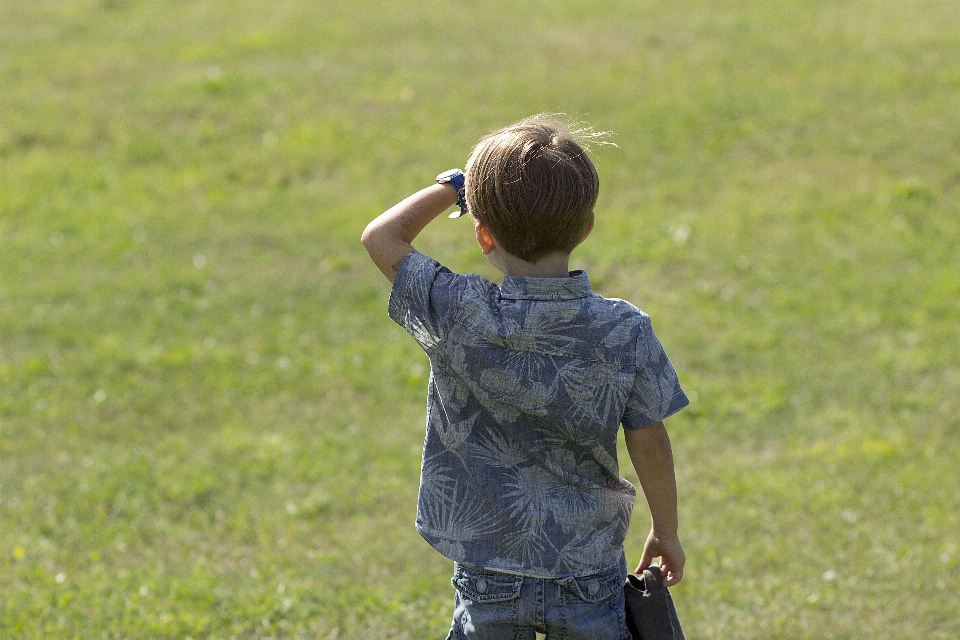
(595, 588)
(486, 586)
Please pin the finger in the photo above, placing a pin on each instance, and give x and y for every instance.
(645, 561)
(671, 577)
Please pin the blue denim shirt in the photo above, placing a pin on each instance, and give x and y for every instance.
(529, 383)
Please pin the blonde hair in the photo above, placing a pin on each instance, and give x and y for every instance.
(534, 186)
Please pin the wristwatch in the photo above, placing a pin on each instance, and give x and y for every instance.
(457, 179)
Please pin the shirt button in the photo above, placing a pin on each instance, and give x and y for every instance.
(482, 585)
(593, 588)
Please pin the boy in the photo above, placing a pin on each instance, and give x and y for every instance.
(530, 381)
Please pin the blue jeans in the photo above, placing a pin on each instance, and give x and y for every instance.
(490, 605)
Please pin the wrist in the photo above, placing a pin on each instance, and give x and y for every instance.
(456, 179)
(665, 535)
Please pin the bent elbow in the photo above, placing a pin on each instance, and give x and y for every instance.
(368, 237)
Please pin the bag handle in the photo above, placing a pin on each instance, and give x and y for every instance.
(653, 579)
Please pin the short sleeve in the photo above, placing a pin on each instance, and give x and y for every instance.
(656, 392)
(424, 296)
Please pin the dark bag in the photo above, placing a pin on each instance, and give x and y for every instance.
(650, 611)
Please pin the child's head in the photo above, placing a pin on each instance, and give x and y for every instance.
(533, 185)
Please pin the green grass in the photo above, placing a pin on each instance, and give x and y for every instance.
(209, 428)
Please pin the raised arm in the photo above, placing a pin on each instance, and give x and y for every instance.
(388, 238)
(652, 457)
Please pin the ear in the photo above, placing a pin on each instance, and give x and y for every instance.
(484, 237)
(589, 228)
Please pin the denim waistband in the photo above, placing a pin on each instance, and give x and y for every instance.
(537, 576)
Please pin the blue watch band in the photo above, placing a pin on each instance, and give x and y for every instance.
(458, 180)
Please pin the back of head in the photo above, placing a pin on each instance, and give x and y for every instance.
(534, 186)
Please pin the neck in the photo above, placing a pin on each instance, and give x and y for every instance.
(554, 265)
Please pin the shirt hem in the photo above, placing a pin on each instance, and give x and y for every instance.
(542, 575)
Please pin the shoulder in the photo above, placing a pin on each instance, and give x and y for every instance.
(618, 311)
(422, 278)
(615, 326)
(624, 307)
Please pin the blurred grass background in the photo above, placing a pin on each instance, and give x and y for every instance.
(209, 428)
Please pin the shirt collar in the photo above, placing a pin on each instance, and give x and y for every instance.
(571, 288)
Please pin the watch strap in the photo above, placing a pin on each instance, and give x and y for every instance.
(458, 180)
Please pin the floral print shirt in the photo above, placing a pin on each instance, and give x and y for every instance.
(529, 383)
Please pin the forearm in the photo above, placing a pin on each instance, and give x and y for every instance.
(388, 237)
(652, 458)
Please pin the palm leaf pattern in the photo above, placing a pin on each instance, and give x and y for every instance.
(530, 383)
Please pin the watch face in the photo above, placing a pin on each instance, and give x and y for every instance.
(447, 175)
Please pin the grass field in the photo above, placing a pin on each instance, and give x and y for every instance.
(209, 427)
